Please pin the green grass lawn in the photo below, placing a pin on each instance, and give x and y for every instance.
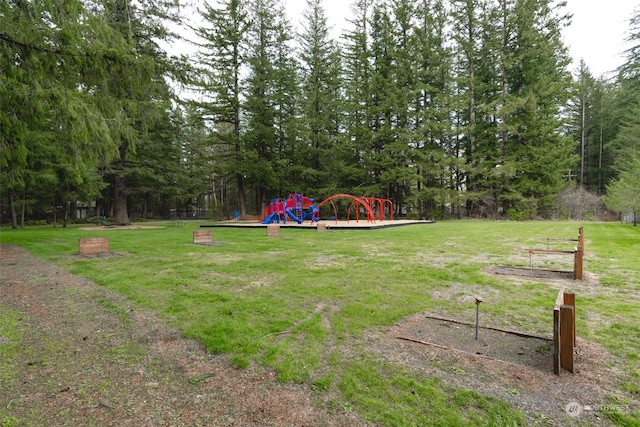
(295, 303)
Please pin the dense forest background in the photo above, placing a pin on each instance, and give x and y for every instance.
(450, 108)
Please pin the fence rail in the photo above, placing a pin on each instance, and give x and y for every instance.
(578, 253)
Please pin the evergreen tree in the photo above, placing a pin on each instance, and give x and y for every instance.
(135, 95)
(358, 99)
(626, 146)
(286, 98)
(320, 104)
(623, 193)
(473, 33)
(522, 150)
(382, 109)
(438, 152)
(222, 55)
(604, 125)
(630, 70)
(52, 130)
(263, 140)
(583, 119)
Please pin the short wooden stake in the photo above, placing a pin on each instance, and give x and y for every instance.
(204, 237)
(322, 227)
(273, 230)
(93, 245)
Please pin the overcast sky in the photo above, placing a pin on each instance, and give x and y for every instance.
(596, 34)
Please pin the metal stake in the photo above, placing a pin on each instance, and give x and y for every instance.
(478, 301)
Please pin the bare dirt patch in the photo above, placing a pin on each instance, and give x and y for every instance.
(120, 227)
(533, 273)
(516, 368)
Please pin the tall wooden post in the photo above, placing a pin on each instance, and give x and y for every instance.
(579, 256)
(566, 337)
(570, 299)
(578, 263)
(581, 237)
(556, 341)
(564, 332)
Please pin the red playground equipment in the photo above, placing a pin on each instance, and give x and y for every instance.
(369, 204)
(297, 208)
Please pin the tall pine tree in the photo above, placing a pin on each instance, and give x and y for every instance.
(321, 119)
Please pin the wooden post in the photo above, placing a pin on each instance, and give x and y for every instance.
(556, 332)
(556, 341)
(570, 299)
(564, 331)
(566, 337)
(579, 256)
(322, 227)
(273, 230)
(577, 263)
(581, 237)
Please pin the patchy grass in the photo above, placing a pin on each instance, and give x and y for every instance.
(296, 303)
(9, 344)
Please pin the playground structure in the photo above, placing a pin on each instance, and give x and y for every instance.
(297, 208)
(368, 204)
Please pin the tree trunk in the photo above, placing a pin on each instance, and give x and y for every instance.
(66, 214)
(145, 206)
(242, 202)
(14, 215)
(600, 185)
(583, 135)
(120, 212)
(23, 208)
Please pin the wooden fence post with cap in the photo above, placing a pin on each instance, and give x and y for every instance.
(579, 256)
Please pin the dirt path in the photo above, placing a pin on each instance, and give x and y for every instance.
(87, 357)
